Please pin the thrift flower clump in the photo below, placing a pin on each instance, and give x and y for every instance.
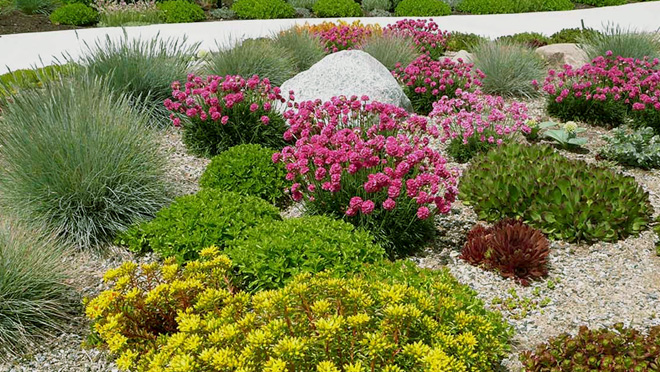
(342, 35)
(475, 122)
(607, 91)
(426, 80)
(426, 34)
(369, 163)
(217, 112)
(428, 322)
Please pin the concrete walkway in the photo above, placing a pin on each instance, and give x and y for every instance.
(44, 48)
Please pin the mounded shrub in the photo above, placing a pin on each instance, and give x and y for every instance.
(371, 5)
(391, 50)
(639, 148)
(337, 8)
(565, 199)
(624, 42)
(369, 164)
(193, 222)
(512, 6)
(79, 162)
(263, 9)
(394, 318)
(615, 349)
(572, 35)
(509, 69)
(142, 69)
(248, 170)
(181, 11)
(75, 14)
(34, 6)
(36, 302)
(601, 2)
(270, 255)
(218, 113)
(261, 57)
(422, 8)
(529, 39)
(457, 41)
(306, 49)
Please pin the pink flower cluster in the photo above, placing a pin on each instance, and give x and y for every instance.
(484, 117)
(365, 157)
(344, 36)
(634, 82)
(212, 98)
(426, 80)
(426, 34)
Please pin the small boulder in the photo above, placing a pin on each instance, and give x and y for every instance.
(464, 56)
(558, 55)
(349, 72)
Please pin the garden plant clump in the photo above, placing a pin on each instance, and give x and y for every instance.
(370, 164)
(427, 35)
(342, 35)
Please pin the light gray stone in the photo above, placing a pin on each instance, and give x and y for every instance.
(464, 56)
(558, 55)
(350, 72)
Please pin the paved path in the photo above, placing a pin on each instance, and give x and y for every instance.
(26, 50)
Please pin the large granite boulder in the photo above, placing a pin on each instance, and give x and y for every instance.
(558, 55)
(349, 72)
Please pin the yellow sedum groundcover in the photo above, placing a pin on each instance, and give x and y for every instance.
(175, 318)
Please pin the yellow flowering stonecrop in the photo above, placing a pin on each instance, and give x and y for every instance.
(315, 323)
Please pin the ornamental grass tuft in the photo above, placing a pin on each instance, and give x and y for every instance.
(624, 42)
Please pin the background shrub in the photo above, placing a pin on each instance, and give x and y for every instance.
(337, 8)
(565, 199)
(601, 2)
(307, 4)
(36, 303)
(254, 57)
(270, 255)
(305, 48)
(347, 313)
(263, 9)
(74, 14)
(248, 170)
(619, 348)
(193, 222)
(223, 13)
(529, 39)
(572, 35)
(134, 13)
(639, 148)
(512, 6)
(464, 41)
(422, 8)
(181, 11)
(371, 5)
(509, 68)
(624, 42)
(35, 6)
(79, 161)
(391, 49)
(142, 69)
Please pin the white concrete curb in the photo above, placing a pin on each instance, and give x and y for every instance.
(44, 48)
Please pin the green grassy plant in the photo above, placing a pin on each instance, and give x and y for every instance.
(390, 50)
(305, 48)
(625, 42)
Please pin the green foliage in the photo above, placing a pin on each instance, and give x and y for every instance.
(607, 113)
(36, 302)
(75, 14)
(512, 6)
(572, 35)
(35, 6)
(142, 69)
(639, 148)
(529, 39)
(601, 2)
(305, 48)
(193, 222)
(79, 161)
(337, 8)
(270, 255)
(509, 69)
(263, 9)
(371, 5)
(391, 49)
(306, 4)
(565, 199)
(223, 13)
(260, 57)
(248, 170)
(130, 16)
(15, 81)
(624, 42)
(422, 8)
(315, 323)
(616, 349)
(181, 11)
(464, 152)
(464, 41)
(565, 136)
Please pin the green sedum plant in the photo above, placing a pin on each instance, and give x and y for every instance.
(393, 318)
(639, 148)
(75, 14)
(565, 199)
(615, 349)
(422, 8)
(270, 255)
(248, 170)
(193, 222)
(181, 11)
(337, 8)
(79, 161)
(263, 9)
(572, 35)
